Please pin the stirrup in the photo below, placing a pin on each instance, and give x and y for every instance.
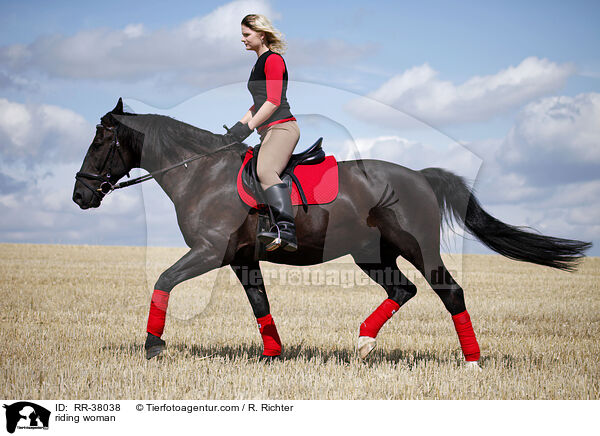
(276, 242)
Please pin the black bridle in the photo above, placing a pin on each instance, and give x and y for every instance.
(107, 186)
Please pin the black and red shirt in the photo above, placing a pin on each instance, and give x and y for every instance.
(268, 82)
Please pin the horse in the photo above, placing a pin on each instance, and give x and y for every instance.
(382, 211)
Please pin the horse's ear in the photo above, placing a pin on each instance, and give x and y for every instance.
(118, 108)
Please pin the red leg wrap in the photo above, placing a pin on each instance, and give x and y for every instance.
(270, 337)
(378, 318)
(158, 312)
(466, 336)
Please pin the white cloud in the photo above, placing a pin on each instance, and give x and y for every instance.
(554, 142)
(134, 30)
(16, 82)
(135, 52)
(42, 211)
(558, 135)
(324, 53)
(546, 172)
(419, 92)
(224, 22)
(203, 51)
(416, 155)
(40, 133)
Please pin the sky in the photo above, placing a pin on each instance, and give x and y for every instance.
(506, 94)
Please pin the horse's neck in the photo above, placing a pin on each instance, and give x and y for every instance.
(156, 153)
(162, 143)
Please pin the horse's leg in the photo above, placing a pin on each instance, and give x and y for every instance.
(399, 290)
(419, 243)
(250, 277)
(424, 254)
(452, 295)
(195, 262)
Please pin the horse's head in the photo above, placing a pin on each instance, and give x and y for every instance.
(108, 158)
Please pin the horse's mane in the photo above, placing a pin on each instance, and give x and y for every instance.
(168, 135)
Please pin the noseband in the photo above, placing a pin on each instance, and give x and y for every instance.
(106, 186)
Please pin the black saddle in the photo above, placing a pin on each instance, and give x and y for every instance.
(311, 156)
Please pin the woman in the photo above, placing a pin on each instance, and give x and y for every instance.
(271, 116)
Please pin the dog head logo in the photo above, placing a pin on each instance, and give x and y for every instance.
(26, 415)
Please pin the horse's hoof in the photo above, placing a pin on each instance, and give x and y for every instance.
(473, 366)
(154, 346)
(365, 346)
(269, 359)
(154, 351)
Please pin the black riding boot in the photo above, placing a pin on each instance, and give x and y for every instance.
(283, 232)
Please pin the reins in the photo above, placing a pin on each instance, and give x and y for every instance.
(153, 174)
(107, 187)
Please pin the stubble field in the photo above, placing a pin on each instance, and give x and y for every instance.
(74, 318)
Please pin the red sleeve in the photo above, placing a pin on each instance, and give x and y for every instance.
(274, 68)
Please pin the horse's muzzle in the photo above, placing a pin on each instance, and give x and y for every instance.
(84, 199)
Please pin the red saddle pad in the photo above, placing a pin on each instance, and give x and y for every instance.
(319, 182)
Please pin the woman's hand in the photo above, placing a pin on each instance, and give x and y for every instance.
(239, 132)
(242, 129)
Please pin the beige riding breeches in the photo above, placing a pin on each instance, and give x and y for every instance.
(277, 144)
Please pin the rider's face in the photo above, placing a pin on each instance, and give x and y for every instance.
(251, 39)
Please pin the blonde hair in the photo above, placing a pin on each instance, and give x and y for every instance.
(273, 37)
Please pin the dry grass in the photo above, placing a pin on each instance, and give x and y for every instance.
(73, 327)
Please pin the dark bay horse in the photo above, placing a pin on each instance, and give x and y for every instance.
(382, 211)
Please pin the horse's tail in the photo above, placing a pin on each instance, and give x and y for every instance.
(458, 203)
